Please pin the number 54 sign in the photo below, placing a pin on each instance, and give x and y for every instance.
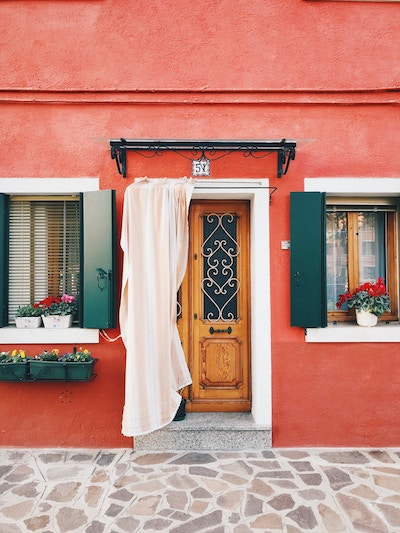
(201, 167)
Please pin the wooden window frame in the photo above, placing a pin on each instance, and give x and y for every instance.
(353, 265)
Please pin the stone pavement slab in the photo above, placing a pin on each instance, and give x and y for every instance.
(125, 491)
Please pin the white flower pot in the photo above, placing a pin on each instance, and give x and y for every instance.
(57, 321)
(365, 318)
(28, 321)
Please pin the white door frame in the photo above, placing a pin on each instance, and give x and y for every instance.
(258, 193)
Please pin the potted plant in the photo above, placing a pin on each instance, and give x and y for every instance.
(370, 301)
(57, 312)
(28, 316)
(79, 364)
(50, 366)
(44, 366)
(13, 366)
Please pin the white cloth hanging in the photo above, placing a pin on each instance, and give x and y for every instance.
(154, 241)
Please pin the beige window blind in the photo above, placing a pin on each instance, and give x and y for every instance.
(43, 249)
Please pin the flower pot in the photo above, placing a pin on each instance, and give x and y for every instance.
(365, 318)
(57, 321)
(13, 371)
(61, 371)
(28, 321)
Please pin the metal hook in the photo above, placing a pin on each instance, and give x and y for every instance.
(101, 276)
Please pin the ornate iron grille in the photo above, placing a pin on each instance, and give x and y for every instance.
(196, 150)
(220, 249)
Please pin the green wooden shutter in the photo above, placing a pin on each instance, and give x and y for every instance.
(4, 203)
(98, 263)
(308, 260)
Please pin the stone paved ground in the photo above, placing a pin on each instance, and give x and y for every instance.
(119, 491)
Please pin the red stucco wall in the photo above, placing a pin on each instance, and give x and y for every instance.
(75, 74)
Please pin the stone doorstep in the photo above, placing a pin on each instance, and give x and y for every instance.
(208, 431)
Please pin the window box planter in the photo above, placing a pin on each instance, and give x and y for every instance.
(14, 371)
(28, 321)
(62, 371)
(57, 321)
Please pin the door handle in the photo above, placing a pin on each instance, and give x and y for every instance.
(227, 330)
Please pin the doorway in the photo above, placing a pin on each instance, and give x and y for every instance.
(214, 314)
(257, 192)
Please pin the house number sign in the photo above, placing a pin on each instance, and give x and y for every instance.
(201, 167)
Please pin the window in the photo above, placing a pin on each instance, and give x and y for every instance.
(361, 239)
(44, 255)
(338, 247)
(55, 244)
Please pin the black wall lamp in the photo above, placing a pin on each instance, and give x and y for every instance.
(204, 150)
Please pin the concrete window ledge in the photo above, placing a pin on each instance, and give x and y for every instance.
(21, 336)
(352, 333)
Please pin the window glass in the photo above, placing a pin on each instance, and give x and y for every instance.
(359, 249)
(336, 256)
(371, 245)
(220, 284)
(43, 249)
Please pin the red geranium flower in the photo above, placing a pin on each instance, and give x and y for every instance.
(371, 297)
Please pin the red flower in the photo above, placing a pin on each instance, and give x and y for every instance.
(374, 290)
(342, 299)
(46, 302)
(61, 305)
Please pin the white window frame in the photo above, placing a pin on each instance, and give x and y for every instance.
(374, 187)
(46, 186)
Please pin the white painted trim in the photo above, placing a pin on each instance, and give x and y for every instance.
(20, 337)
(346, 187)
(48, 185)
(357, 186)
(353, 333)
(257, 192)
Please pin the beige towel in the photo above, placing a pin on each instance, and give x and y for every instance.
(154, 240)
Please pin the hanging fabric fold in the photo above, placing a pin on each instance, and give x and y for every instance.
(154, 241)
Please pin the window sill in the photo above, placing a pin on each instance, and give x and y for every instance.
(21, 336)
(352, 333)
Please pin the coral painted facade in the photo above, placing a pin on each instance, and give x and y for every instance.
(326, 74)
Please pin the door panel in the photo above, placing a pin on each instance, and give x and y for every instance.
(215, 327)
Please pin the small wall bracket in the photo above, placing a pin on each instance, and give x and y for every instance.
(206, 149)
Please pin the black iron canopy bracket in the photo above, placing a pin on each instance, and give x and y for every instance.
(204, 149)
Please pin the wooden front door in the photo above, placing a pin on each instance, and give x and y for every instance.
(214, 313)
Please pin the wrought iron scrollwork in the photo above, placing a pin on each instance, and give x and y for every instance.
(209, 149)
(220, 284)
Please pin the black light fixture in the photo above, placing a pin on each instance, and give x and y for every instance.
(204, 150)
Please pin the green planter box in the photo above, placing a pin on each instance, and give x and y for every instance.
(13, 371)
(80, 371)
(58, 371)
